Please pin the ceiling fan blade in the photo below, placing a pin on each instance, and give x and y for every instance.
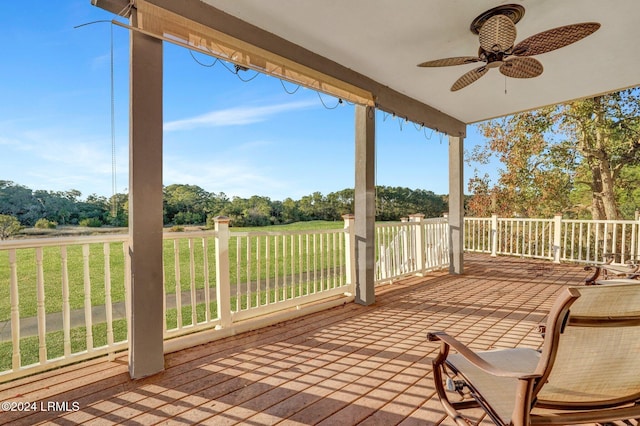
(497, 34)
(469, 78)
(554, 38)
(521, 68)
(446, 62)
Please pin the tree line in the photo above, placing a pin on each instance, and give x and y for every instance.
(192, 205)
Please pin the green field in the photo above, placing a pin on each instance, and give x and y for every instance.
(292, 260)
(52, 269)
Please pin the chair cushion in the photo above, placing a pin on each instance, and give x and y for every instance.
(498, 392)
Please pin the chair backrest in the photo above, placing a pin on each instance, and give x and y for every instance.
(592, 358)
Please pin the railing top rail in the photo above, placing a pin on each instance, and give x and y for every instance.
(395, 224)
(586, 221)
(407, 224)
(188, 234)
(63, 241)
(602, 221)
(281, 233)
(524, 219)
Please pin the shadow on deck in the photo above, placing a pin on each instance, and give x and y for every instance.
(344, 366)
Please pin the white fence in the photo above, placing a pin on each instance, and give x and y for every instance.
(63, 300)
(413, 247)
(557, 239)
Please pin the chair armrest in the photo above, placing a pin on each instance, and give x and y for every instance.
(474, 359)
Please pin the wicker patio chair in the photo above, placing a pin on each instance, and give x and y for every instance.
(607, 270)
(588, 370)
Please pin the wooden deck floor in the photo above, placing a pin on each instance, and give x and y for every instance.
(345, 366)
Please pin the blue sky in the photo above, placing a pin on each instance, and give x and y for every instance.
(220, 133)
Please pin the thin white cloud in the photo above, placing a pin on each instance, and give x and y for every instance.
(59, 159)
(235, 116)
(237, 178)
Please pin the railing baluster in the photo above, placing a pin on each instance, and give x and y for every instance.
(335, 261)
(258, 271)
(300, 268)
(284, 268)
(178, 278)
(634, 236)
(292, 264)
(341, 255)
(248, 272)
(127, 287)
(322, 264)
(276, 264)
(315, 263)
(207, 282)
(623, 246)
(192, 282)
(107, 293)
(267, 274)
(15, 310)
(238, 274)
(597, 240)
(66, 308)
(308, 262)
(88, 320)
(42, 319)
(165, 293)
(581, 241)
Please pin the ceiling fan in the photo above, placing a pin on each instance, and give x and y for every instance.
(496, 29)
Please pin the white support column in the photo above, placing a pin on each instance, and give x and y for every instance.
(418, 238)
(350, 251)
(456, 204)
(365, 205)
(146, 352)
(223, 282)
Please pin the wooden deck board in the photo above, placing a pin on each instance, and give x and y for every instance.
(347, 365)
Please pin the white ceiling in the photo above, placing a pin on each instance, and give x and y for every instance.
(385, 40)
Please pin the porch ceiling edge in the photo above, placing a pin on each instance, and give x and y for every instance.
(385, 98)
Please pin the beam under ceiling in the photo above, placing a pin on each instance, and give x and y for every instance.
(113, 6)
(385, 98)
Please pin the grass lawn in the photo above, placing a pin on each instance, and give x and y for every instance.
(243, 258)
(78, 336)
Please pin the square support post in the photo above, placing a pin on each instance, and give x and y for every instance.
(419, 246)
(365, 205)
(223, 282)
(350, 250)
(456, 204)
(146, 345)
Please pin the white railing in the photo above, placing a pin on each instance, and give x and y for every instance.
(190, 301)
(286, 269)
(63, 300)
(557, 239)
(413, 247)
(52, 288)
(587, 241)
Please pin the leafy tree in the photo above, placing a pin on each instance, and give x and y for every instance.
(290, 211)
(394, 203)
(566, 158)
(312, 207)
(9, 225)
(121, 203)
(340, 203)
(189, 200)
(18, 201)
